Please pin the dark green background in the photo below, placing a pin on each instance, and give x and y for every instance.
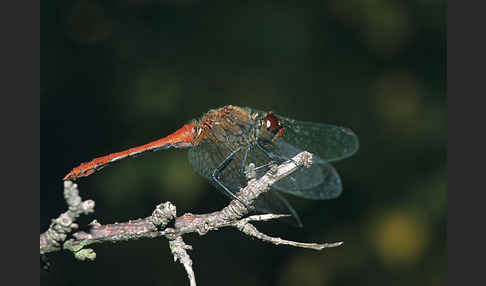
(116, 74)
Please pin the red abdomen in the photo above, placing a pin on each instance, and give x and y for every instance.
(183, 137)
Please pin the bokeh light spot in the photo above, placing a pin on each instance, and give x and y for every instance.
(399, 238)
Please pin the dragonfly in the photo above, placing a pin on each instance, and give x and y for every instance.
(225, 141)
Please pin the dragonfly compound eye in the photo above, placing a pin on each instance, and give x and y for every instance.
(272, 123)
(269, 124)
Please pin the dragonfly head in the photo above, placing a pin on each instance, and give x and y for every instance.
(273, 125)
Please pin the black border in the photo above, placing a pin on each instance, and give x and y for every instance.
(20, 141)
(466, 144)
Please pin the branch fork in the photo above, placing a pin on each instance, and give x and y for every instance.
(56, 237)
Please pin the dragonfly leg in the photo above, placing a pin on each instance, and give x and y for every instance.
(272, 156)
(217, 173)
(245, 158)
(264, 165)
(275, 157)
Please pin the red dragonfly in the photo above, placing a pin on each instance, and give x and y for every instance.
(227, 139)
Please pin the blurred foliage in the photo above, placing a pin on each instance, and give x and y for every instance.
(116, 74)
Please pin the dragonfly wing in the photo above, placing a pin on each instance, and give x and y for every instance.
(329, 142)
(319, 182)
(206, 157)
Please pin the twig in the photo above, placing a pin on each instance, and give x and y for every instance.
(251, 230)
(244, 226)
(63, 225)
(178, 249)
(55, 238)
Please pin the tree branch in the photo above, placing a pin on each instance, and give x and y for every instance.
(56, 237)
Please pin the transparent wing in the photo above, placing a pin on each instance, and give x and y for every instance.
(318, 182)
(206, 157)
(329, 142)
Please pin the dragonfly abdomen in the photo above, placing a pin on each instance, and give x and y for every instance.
(183, 137)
